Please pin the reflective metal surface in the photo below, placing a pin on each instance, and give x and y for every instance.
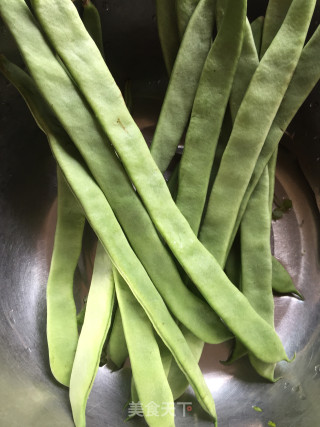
(29, 396)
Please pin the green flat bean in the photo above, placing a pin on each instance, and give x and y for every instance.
(185, 9)
(107, 170)
(166, 360)
(257, 28)
(277, 274)
(111, 112)
(247, 65)
(208, 111)
(147, 369)
(183, 84)
(256, 266)
(62, 331)
(168, 31)
(92, 22)
(94, 330)
(177, 380)
(256, 262)
(306, 76)
(117, 351)
(99, 214)
(275, 15)
(251, 126)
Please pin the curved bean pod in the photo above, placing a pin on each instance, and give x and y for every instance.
(306, 75)
(275, 15)
(94, 330)
(256, 280)
(251, 127)
(149, 377)
(256, 266)
(107, 170)
(208, 111)
(247, 65)
(111, 112)
(183, 84)
(62, 330)
(98, 212)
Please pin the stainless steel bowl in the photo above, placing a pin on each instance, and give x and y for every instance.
(29, 395)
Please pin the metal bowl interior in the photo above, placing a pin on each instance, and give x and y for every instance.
(29, 394)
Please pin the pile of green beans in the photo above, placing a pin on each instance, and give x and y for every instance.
(182, 263)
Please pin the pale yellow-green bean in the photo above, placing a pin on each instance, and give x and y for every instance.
(94, 330)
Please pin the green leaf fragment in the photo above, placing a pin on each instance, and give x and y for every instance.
(277, 214)
(283, 207)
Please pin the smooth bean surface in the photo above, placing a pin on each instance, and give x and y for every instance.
(149, 377)
(183, 84)
(117, 350)
(207, 114)
(62, 330)
(251, 126)
(256, 263)
(275, 15)
(305, 77)
(94, 330)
